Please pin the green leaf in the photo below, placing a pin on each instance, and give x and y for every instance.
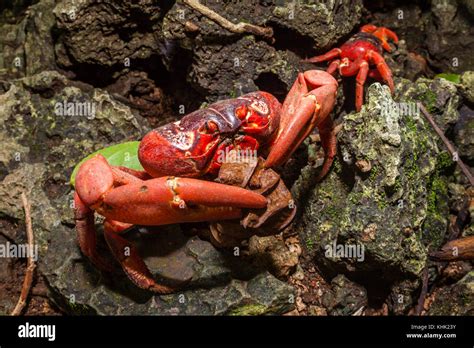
(125, 154)
(456, 78)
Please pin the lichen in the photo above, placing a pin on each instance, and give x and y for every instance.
(250, 309)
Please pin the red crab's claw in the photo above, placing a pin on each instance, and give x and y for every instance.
(382, 33)
(308, 104)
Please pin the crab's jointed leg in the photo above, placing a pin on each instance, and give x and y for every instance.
(86, 236)
(128, 257)
(382, 67)
(308, 105)
(333, 66)
(334, 53)
(360, 81)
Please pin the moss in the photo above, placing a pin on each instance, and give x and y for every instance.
(434, 226)
(411, 167)
(398, 184)
(429, 99)
(444, 161)
(355, 197)
(79, 309)
(373, 173)
(381, 198)
(332, 212)
(337, 167)
(309, 244)
(438, 188)
(250, 309)
(411, 124)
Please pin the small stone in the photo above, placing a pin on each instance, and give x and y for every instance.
(407, 231)
(369, 233)
(364, 166)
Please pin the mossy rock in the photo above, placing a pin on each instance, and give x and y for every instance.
(386, 194)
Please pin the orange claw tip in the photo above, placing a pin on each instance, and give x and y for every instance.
(272, 160)
(368, 28)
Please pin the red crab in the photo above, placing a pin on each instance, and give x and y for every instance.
(362, 55)
(176, 154)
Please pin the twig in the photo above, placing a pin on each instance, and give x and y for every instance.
(455, 250)
(31, 265)
(424, 292)
(238, 28)
(449, 146)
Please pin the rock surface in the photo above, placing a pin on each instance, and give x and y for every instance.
(457, 299)
(20, 35)
(117, 30)
(225, 62)
(382, 193)
(345, 297)
(439, 31)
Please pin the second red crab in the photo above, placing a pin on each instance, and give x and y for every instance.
(361, 56)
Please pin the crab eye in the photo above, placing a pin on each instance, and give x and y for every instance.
(241, 112)
(209, 127)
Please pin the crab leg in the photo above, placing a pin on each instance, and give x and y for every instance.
(308, 104)
(86, 236)
(332, 68)
(329, 144)
(360, 81)
(124, 199)
(350, 68)
(132, 264)
(382, 68)
(374, 73)
(169, 200)
(334, 53)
